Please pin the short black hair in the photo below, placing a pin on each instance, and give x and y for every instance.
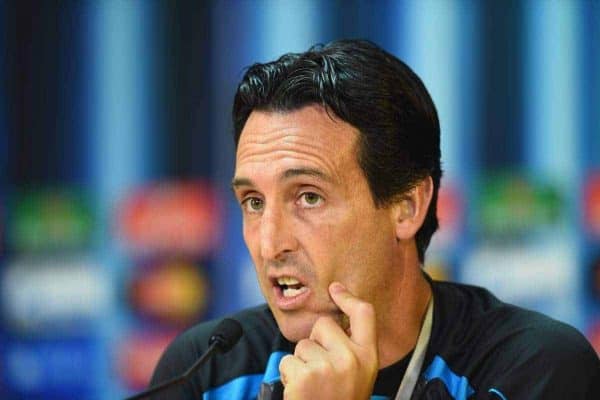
(399, 141)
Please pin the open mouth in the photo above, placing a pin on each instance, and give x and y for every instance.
(290, 287)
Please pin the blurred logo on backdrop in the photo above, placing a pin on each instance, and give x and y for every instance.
(450, 213)
(50, 220)
(138, 354)
(171, 291)
(517, 220)
(54, 294)
(172, 218)
(167, 231)
(54, 368)
(446, 241)
(509, 206)
(591, 205)
(541, 276)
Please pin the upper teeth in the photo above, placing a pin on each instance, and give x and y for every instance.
(286, 280)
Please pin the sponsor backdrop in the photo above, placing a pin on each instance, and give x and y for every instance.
(117, 225)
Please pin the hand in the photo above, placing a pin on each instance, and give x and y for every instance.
(331, 364)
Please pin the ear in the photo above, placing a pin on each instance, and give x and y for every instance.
(410, 210)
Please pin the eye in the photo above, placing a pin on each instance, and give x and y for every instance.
(253, 204)
(311, 199)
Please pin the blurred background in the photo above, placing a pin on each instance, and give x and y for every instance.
(118, 228)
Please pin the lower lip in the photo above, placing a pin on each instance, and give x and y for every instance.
(289, 303)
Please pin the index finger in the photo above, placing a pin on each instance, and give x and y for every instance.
(360, 313)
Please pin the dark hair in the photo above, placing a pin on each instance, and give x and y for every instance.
(399, 142)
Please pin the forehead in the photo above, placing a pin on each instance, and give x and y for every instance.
(308, 137)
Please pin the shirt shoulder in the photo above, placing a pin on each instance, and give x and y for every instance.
(539, 357)
(493, 348)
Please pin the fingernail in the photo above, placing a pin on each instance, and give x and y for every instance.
(337, 287)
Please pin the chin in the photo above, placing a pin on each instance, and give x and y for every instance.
(295, 327)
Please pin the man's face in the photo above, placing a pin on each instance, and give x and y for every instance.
(308, 215)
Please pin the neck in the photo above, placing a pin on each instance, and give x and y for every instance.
(399, 326)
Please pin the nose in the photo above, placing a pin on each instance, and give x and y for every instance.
(276, 234)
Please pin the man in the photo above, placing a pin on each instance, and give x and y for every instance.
(337, 174)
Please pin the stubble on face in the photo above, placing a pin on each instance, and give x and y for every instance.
(297, 324)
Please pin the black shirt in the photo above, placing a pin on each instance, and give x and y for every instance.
(480, 348)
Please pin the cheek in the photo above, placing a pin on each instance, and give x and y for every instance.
(251, 239)
(334, 248)
(253, 245)
(365, 249)
(320, 240)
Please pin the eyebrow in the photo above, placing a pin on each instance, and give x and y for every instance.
(293, 172)
(287, 174)
(237, 182)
